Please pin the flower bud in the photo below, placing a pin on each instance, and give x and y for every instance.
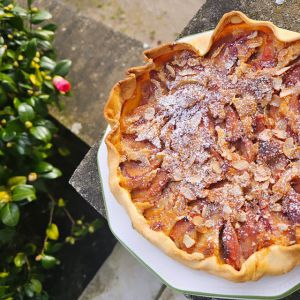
(4, 197)
(32, 176)
(61, 84)
(28, 124)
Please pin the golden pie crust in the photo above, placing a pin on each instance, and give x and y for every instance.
(232, 116)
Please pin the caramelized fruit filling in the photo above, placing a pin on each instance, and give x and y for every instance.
(210, 146)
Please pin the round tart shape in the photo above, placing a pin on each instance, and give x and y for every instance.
(204, 149)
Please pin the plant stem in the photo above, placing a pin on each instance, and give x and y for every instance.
(53, 203)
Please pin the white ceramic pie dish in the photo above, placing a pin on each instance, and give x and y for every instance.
(171, 272)
(176, 275)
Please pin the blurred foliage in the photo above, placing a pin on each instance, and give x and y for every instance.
(27, 69)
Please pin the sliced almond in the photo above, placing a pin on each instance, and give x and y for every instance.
(282, 227)
(252, 35)
(171, 70)
(236, 191)
(262, 173)
(209, 223)
(149, 113)
(281, 134)
(237, 225)
(240, 165)
(276, 207)
(216, 167)
(289, 148)
(217, 51)
(205, 211)
(187, 193)
(255, 42)
(198, 221)
(188, 241)
(265, 135)
(276, 101)
(277, 83)
(281, 71)
(281, 124)
(242, 217)
(227, 209)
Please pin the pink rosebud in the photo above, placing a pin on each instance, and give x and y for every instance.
(61, 84)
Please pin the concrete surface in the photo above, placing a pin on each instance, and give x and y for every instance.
(122, 278)
(151, 22)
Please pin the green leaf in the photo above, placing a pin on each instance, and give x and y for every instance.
(51, 247)
(9, 86)
(36, 286)
(52, 232)
(43, 167)
(10, 214)
(55, 173)
(49, 261)
(62, 68)
(50, 26)
(8, 134)
(20, 259)
(40, 17)
(41, 133)
(31, 49)
(47, 63)
(16, 180)
(44, 34)
(22, 192)
(26, 112)
(17, 22)
(2, 51)
(20, 11)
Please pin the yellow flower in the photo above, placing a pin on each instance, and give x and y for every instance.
(47, 77)
(36, 59)
(20, 57)
(4, 197)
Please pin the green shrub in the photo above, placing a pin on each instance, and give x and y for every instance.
(30, 81)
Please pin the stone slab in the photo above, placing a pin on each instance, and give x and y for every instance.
(100, 57)
(286, 15)
(122, 277)
(86, 180)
